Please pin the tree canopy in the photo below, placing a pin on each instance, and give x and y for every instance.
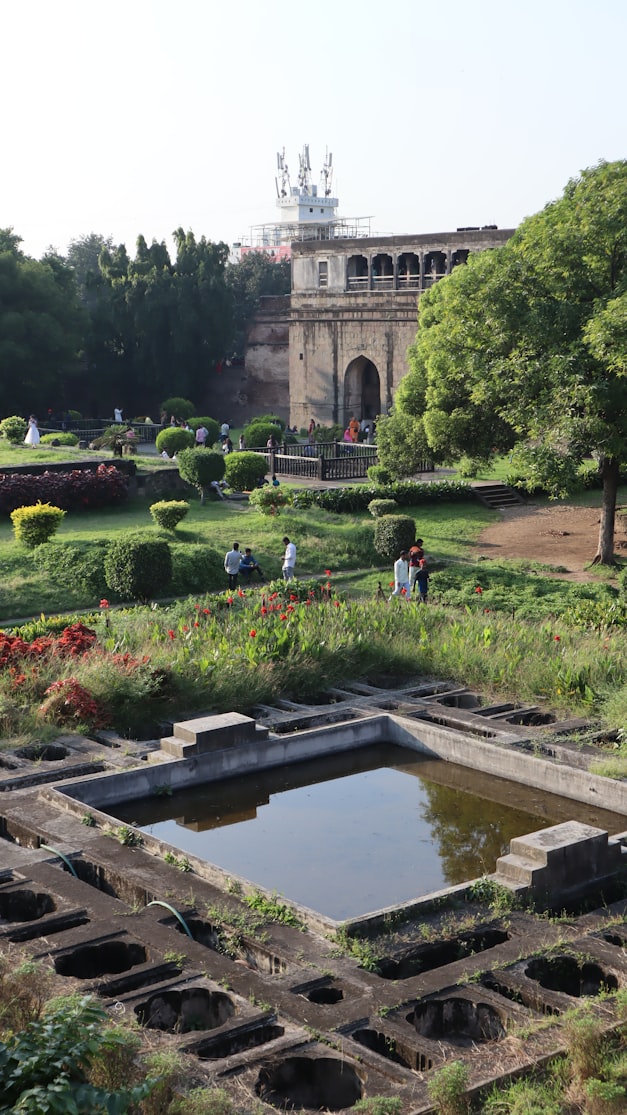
(526, 345)
(41, 327)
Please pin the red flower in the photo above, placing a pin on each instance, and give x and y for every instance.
(196, 623)
(290, 608)
(283, 616)
(206, 612)
(337, 603)
(327, 572)
(264, 611)
(252, 633)
(197, 607)
(391, 584)
(293, 597)
(240, 593)
(185, 627)
(557, 638)
(171, 634)
(479, 589)
(229, 600)
(104, 603)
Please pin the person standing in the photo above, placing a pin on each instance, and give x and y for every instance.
(415, 556)
(32, 433)
(117, 415)
(242, 443)
(311, 432)
(202, 434)
(289, 559)
(225, 430)
(401, 577)
(231, 564)
(422, 580)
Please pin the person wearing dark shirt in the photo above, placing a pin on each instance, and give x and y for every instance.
(248, 566)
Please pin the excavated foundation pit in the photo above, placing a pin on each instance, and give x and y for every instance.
(458, 1021)
(178, 1012)
(100, 959)
(323, 1083)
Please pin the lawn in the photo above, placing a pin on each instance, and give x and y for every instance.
(324, 540)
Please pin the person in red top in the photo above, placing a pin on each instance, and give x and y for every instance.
(416, 554)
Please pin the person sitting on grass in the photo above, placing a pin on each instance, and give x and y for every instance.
(248, 566)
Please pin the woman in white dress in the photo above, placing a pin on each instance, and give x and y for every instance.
(32, 434)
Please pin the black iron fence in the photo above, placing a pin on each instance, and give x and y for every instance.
(321, 460)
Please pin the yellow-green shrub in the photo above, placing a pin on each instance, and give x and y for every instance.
(36, 524)
(167, 513)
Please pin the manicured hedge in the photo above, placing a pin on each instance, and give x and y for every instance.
(406, 494)
(69, 490)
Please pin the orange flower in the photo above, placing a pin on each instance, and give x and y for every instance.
(252, 633)
(104, 604)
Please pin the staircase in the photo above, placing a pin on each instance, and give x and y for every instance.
(499, 497)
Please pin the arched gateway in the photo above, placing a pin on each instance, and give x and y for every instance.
(362, 391)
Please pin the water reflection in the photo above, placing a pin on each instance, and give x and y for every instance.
(357, 831)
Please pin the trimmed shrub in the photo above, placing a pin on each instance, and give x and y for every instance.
(258, 433)
(137, 567)
(200, 467)
(75, 564)
(63, 437)
(272, 418)
(270, 500)
(328, 433)
(179, 407)
(196, 568)
(168, 513)
(173, 439)
(35, 525)
(380, 507)
(393, 533)
(406, 493)
(379, 474)
(243, 471)
(211, 426)
(80, 488)
(13, 428)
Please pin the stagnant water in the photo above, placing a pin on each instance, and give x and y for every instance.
(357, 831)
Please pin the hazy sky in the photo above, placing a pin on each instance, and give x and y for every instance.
(144, 115)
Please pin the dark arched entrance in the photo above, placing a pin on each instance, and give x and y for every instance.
(362, 392)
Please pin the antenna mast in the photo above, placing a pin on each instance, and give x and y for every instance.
(327, 173)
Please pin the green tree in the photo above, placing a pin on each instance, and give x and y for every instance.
(41, 328)
(200, 467)
(527, 344)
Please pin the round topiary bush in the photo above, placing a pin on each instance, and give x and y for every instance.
(13, 428)
(211, 427)
(272, 418)
(37, 524)
(270, 500)
(168, 513)
(180, 408)
(380, 507)
(379, 474)
(173, 439)
(137, 567)
(200, 467)
(257, 434)
(393, 533)
(63, 437)
(243, 471)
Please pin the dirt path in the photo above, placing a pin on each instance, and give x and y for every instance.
(561, 535)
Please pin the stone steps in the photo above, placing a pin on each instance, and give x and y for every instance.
(498, 496)
(211, 733)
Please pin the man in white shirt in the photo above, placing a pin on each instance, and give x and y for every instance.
(401, 577)
(289, 559)
(231, 564)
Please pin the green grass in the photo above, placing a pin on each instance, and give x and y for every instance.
(342, 543)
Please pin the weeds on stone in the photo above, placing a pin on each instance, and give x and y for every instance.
(379, 1105)
(447, 1089)
(180, 862)
(273, 910)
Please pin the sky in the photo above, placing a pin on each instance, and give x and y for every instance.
(142, 116)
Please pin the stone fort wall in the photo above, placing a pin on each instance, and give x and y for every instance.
(338, 346)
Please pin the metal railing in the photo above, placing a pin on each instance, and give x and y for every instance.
(335, 460)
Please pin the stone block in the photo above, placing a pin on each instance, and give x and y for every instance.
(211, 733)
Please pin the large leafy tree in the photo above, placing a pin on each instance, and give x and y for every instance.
(41, 329)
(527, 344)
(158, 327)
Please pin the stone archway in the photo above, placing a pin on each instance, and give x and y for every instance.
(362, 390)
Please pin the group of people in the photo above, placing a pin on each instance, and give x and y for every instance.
(238, 564)
(411, 574)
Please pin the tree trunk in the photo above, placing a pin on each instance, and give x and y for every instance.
(605, 549)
